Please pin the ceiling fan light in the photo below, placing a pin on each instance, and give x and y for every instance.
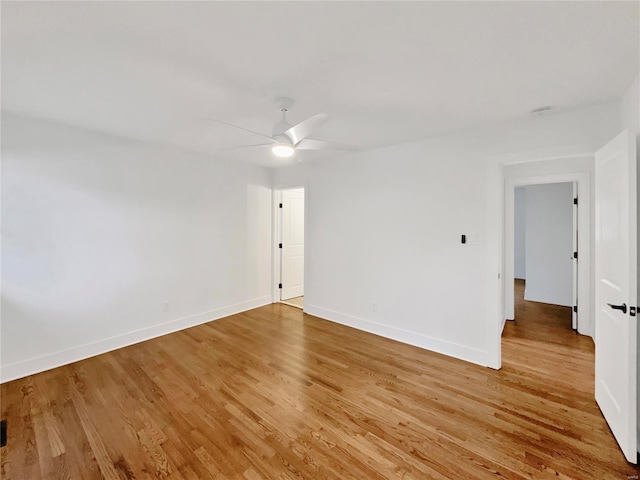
(282, 150)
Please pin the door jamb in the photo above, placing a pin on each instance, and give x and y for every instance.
(276, 235)
(494, 193)
(585, 294)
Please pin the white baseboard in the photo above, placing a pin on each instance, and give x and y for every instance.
(445, 347)
(63, 357)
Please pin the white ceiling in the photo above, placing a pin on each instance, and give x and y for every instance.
(387, 72)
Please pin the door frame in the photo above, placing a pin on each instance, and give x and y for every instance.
(585, 275)
(495, 229)
(276, 235)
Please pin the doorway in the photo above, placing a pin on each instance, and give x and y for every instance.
(615, 176)
(540, 339)
(575, 257)
(290, 246)
(545, 250)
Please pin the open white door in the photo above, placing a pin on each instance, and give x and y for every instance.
(292, 244)
(615, 295)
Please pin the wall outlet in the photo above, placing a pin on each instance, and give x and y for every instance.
(165, 306)
(374, 307)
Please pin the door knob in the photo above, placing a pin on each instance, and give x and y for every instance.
(622, 307)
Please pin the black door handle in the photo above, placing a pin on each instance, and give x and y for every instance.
(622, 307)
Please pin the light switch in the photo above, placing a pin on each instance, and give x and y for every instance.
(468, 239)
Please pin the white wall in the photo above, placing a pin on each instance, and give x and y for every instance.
(99, 232)
(549, 239)
(394, 216)
(519, 234)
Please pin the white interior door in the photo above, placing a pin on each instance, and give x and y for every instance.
(292, 244)
(615, 270)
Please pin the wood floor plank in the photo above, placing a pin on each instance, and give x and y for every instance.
(277, 394)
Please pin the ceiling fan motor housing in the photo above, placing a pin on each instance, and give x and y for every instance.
(282, 126)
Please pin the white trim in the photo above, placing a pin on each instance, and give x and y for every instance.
(437, 345)
(34, 365)
(585, 293)
(275, 258)
(284, 302)
(276, 228)
(494, 264)
(495, 226)
(574, 248)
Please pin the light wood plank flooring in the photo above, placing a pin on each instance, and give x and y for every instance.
(277, 394)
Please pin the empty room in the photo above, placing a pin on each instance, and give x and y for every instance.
(278, 240)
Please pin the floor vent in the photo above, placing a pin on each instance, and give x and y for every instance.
(3, 433)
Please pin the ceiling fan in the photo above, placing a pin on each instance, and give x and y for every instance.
(287, 139)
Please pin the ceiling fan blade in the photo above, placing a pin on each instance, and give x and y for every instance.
(246, 146)
(242, 128)
(309, 144)
(299, 132)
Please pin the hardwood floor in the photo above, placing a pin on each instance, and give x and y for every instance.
(273, 393)
(541, 342)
